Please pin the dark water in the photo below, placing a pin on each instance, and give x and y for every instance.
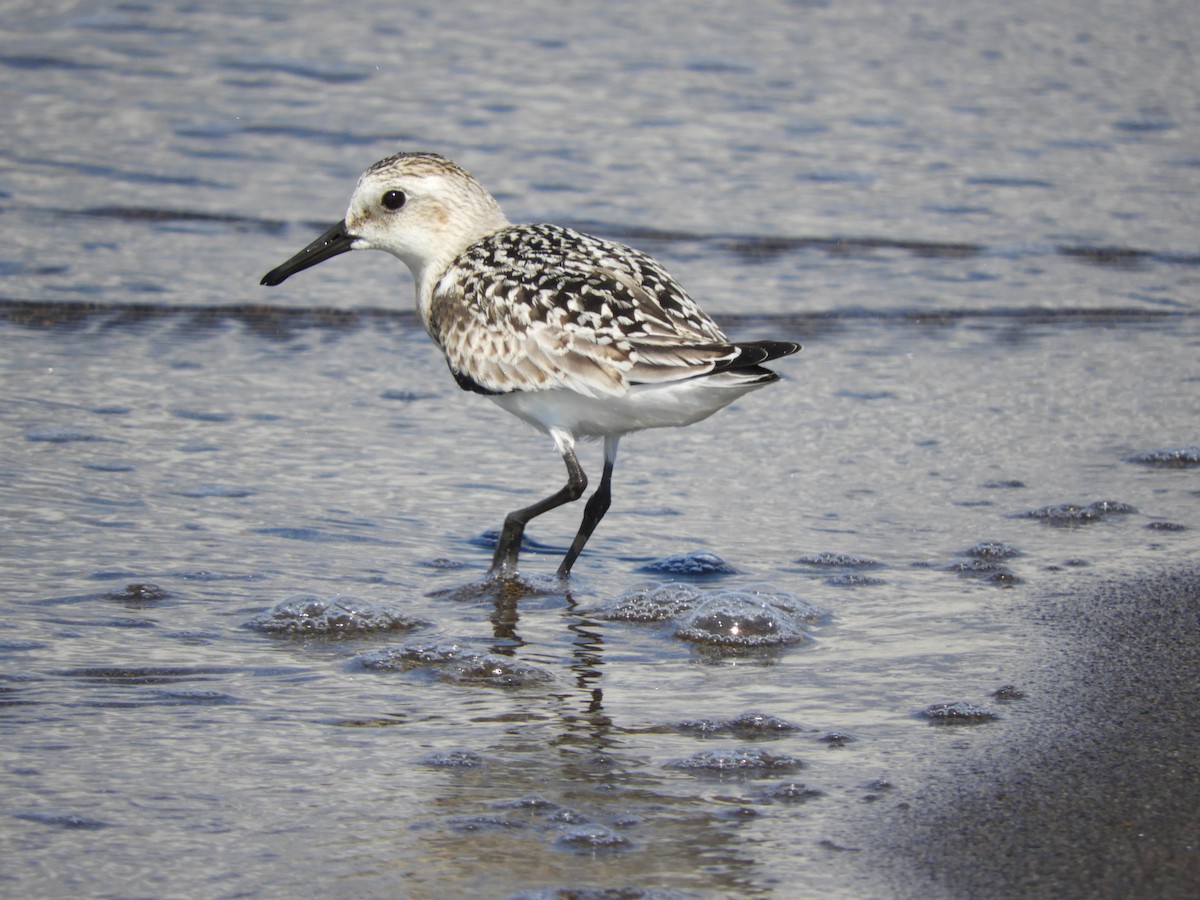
(981, 223)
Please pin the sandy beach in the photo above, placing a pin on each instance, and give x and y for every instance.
(1097, 793)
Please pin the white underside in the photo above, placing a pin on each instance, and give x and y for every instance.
(670, 405)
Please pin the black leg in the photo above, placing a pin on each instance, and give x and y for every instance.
(597, 506)
(509, 546)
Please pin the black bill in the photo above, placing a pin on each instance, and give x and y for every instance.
(336, 240)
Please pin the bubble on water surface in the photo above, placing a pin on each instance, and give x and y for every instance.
(992, 550)
(747, 725)
(1166, 526)
(491, 668)
(138, 595)
(1002, 578)
(456, 663)
(1069, 514)
(695, 564)
(412, 655)
(785, 601)
(568, 817)
(791, 792)
(851, 566)
(853, 579)
(733, 620)
(454, 759)
(753, 616)
(593, 838)
(985, 569)
(653, 603)
(1169, 458)
(958, 713)
(838, 561)
(738, 760)
(469, 824)
(336, 616)
(837, 739)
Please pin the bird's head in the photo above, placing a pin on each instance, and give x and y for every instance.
(420, 207)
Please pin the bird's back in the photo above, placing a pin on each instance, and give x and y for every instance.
(536, 307)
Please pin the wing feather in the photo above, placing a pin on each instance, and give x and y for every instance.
(534, 307)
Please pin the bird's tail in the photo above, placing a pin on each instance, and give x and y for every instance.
(752, 354)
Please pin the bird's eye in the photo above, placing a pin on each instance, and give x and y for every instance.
(394, 200)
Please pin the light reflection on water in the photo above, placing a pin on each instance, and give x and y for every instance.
(979, 220)
(233, 471)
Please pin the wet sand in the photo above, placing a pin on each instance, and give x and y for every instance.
(1097, 791)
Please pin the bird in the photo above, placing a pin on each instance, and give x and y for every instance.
(580, 337)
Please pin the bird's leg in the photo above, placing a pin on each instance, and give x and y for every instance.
(509, 545)
(597, 506)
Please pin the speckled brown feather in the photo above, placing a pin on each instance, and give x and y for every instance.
(532, 307)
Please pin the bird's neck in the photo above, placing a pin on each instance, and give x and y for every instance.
(432, 265)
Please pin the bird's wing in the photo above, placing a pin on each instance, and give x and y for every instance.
(551, 308)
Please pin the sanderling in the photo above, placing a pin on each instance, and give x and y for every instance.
(578, 336)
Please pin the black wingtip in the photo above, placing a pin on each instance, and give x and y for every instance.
(776, 349)
(753, 353)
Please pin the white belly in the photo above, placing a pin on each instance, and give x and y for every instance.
(669, 405)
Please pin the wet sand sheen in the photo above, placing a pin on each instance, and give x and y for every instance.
(1096, 792)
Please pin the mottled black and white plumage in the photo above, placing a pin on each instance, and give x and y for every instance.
(579, 336)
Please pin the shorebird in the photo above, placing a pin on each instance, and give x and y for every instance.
(578, 336)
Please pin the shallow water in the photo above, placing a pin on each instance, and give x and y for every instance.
(990, 258)
(234, 470)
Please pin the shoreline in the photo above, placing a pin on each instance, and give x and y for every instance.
(1095, 790)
